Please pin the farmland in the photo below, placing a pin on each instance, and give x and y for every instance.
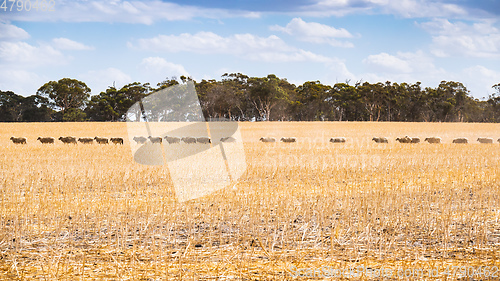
(89, 211)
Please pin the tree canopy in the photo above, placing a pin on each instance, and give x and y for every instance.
(242, 98)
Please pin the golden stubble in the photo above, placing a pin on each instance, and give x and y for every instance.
(88, 211)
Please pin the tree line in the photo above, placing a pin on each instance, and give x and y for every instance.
(239, 97)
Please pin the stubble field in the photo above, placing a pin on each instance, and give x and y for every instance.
(80, 212)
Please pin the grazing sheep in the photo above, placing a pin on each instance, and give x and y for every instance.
(116, 140)
(101, 140)
(485, 140)
(204, 140)
(415, 140)
(172, 140)
(155, 139)
(67, 140)
(337, 140)
(433, 140)
(19, 140)
(461, 140)
(267, 139)
(288, 139)
(140, 139)
(228, 139)
(380, 140)
(406, 139)
(189, 140)
(46, 139)
(86, 140)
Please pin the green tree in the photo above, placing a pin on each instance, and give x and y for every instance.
(64, 95)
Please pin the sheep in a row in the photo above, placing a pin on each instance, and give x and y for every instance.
(18, 140)
(433, 140)
(485, 140)
(380, 140)
(46, 140)
(67, 140)
(338, 140)
(86, 140)
(177, 140)
(288, 139)
(460, 140)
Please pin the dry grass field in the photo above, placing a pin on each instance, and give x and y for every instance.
(88, 212)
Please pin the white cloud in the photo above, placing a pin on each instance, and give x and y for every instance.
(315, 32)
(21, 82)
(67, 44)
(406, 67)
(402, 8)
(388, 63)
(480, 39)
(479, 80)
(157, 69)
(99, 80)
(142, 12)
(19, 54)
(248, 46)
(12, 32)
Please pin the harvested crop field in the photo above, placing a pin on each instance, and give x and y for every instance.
(309, 209)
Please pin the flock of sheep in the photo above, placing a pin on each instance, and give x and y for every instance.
(405, 139)
(207, 140)
(69, 140)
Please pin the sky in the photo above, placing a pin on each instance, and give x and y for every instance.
(114, 42)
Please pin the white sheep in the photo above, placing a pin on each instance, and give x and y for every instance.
(18, 140)
(155, 139)
(172, 140)
(380, 140)
(267, 139)
(189, 140)
(204, 140)
(46, 139)
(227, 139)
(116, 140)
(461, 140)
(485, 140)
(140, 139)
(338, 140)
(68, 140)
(86, 140)
(433, 140)
(288, 139)
(100, 140)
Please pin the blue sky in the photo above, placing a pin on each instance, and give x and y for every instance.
(106, 42)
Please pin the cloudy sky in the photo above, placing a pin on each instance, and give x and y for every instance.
(114, 41)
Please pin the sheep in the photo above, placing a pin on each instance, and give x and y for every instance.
(337, 140)
(46, 139)
(101, 140)
(461, 140)
(86, 140)
(155, 139)
(498, 140)
(380, 140)
(288, 139)
(227, 139)
(140, 139)
(485, 140)
(415, 140)
(172, 140)
(189, 140)
(406, 139)
(433, 140)
(19, 140)
(67, 140)
(204, 140)
(267, 139)
(116, 140)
